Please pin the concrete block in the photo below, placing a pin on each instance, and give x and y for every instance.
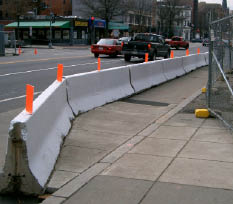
(168, 193)
(206, 173)
(114, 190)
(146, 75)
(138, 166)
(90, 90)
(40, 136)
(173, 68)
(159, 147)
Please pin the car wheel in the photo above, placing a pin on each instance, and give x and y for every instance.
(187, 47)
(127, 58)
(153, 57)
(167, 54)
(96, 55)
(177, 47)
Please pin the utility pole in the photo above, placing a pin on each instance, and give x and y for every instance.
(195, 17)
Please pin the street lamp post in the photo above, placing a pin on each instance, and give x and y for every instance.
(50, 32)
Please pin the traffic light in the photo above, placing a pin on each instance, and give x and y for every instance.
(92, 20)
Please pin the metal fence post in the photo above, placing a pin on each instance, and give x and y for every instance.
(209, 69)
(2, 41)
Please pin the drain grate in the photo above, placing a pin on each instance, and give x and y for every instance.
(149, 103)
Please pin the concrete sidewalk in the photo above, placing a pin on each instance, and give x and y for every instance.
(147, 149)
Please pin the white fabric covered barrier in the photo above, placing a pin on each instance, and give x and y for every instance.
(189, 63)
(146, 75)
(42, 132)
(173, 68)
(90, 90)
(200, 60)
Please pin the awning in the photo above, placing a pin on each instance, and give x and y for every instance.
(39, 24)
(117, 26)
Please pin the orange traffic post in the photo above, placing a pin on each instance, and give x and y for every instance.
(146, 57)
(29, 98)
(198, 50)
(59, 72)
(35, 51)
(187, 52)
(99, 64)
(172, 54)
(19, 50)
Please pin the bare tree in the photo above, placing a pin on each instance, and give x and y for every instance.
(142, 10)
(168, 13)
(104, 9)
(16, 8)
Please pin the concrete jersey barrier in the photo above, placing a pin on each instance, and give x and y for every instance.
(173, 68)
(40, 136)
(94, 89)
(189, 63)
(146, 75)
(200, 60)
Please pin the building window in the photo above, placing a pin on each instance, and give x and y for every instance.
(131, 19)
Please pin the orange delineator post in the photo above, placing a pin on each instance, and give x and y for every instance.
(172, 54)
(29, 98)
(59, 72)
(146, 57)
(187, 52)
(99, 64)
(198, 50)
(35, 51)
(19, 50)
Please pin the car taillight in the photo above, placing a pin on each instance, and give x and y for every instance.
(149, 46)
(122, 44)
(92, 46)
(109, 48)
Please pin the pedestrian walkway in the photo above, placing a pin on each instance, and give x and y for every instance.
(147, 149)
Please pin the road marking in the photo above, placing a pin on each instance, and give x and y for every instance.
(46, 59)
(18, 97)
(51, 68)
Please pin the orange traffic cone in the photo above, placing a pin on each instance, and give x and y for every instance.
(19, 50)
(198, 50)
(35, 51)
(187, 52)
(172, 54)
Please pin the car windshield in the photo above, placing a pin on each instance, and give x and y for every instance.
(147, 38)
(106, 42)
(124, 39)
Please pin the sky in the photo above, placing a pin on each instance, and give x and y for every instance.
(229, 2)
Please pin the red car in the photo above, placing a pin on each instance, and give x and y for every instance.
(111, 47)
(178, 42)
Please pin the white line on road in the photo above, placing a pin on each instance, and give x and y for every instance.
(68, 66)
(18, 97)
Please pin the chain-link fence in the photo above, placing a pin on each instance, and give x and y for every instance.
(10, 42)
(220, 82)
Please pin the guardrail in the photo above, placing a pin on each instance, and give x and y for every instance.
(35, 139)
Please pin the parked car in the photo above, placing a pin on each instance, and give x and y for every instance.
(196, 40)
(111, 47)
(178, 42)
(144, 43)
(205, 42)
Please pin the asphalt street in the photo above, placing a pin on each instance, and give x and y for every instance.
(40, 70)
